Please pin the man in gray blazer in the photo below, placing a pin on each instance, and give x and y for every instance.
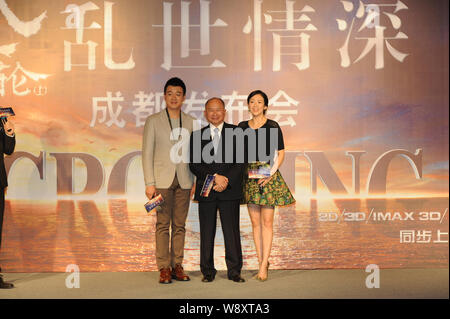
(166, 174)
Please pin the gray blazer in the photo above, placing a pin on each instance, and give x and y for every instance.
(159, 168)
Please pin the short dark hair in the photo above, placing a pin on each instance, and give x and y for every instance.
(215, 98)
(264, 95)
(175, 82)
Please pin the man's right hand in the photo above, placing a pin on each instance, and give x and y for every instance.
(150, 191)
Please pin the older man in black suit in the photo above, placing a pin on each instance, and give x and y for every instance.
(212, 154)
(7, 144)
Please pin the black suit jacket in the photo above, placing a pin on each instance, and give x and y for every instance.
(222, 165)
(7, 145)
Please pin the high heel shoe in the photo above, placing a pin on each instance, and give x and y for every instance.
(262, 278)
(255, 276)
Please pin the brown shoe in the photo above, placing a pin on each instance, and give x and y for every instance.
(179, 274)
(165, 276)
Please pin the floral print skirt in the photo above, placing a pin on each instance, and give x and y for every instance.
(274, 193)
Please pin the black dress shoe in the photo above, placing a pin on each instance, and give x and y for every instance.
(236, 278)
(207, 278)
(5, 285)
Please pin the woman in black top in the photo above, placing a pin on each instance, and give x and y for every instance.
(7, 144)
(263, 144)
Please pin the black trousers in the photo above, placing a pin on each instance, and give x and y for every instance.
(2, 208)
(229, 218)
